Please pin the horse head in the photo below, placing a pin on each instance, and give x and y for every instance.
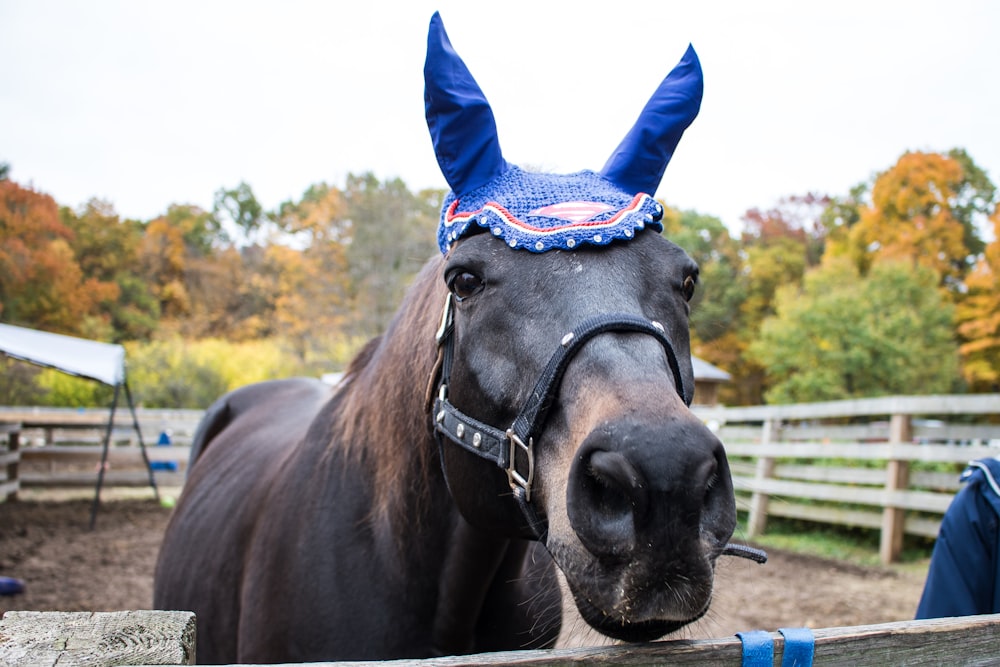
(564, 360)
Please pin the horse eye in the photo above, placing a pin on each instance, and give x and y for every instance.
(464, 284)
(688, 287)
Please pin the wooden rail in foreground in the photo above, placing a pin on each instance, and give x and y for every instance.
(168, 638)
(70, 639)
(889, 463)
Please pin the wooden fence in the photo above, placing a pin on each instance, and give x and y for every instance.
(889, 463)
(60, 448)
(168, 638)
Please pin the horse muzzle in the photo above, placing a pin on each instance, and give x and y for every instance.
(650, 508)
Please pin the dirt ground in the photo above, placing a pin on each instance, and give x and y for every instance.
(66, 567)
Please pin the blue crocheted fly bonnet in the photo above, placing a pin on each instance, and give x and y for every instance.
(540, 211)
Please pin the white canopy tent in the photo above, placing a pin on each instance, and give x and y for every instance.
(89, 359)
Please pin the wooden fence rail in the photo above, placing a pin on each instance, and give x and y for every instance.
(890, 463)
(168, 638)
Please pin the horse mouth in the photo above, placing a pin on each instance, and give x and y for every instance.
(620, 628)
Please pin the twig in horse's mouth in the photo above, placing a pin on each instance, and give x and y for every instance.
(743, 551)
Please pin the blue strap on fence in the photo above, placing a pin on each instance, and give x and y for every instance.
(758, 648)
(800, 645)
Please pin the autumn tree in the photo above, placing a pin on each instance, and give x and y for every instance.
(978, 316)
(107, 249)
(843, 335)
(41, 283)
(176, 247)
(320, 216)
(311, 285)
(922, 210)
(796, 218)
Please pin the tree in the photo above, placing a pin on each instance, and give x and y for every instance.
(922, 210)
(240, 207)
(107, 249)
(41, 282)
(798, 218)
(978, 316)
(177, 249)
(844, 335)
(392, 235)
(319, 217)
(716, 303)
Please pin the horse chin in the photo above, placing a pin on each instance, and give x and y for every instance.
(640, 599)
(630, 631)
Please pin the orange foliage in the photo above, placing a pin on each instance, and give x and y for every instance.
(41, 283)
(912, 217)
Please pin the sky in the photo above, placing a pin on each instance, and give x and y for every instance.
(147, 104)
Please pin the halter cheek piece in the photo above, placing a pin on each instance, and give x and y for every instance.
(513, 448)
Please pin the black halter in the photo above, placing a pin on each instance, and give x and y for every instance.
(512, 449)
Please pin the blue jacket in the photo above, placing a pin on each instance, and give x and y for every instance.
(964, 575)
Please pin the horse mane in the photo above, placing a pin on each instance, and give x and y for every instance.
(382, 419)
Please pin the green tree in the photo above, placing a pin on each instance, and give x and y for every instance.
(722, 288)
(392, 235)
(844, 335)
(240, 207)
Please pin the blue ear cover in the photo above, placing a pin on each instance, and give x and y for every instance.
(536, 211)
(463, 129)
(637, 165)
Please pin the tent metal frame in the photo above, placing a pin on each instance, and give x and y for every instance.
(107, 442)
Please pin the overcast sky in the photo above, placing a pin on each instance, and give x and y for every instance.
(148, 103)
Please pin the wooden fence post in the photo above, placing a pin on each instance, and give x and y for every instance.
(757, 521)
(897, 479)
(12, 457)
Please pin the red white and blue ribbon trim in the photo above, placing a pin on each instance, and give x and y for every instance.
(540, 212)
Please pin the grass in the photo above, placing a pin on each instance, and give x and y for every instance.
(858, 546)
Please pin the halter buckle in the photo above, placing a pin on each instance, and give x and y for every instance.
(515, 478)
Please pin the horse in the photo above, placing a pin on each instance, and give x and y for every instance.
(526, 409)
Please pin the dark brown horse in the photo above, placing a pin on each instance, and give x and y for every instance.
(420, 508)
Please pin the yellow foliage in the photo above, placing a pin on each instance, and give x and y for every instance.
(911, 217)
(978, 316)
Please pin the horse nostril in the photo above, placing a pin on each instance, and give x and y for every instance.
(624, 486)
(605, 499)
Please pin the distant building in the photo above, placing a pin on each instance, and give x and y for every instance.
(707, 379)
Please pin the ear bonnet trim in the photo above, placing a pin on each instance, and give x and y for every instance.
(540, 212)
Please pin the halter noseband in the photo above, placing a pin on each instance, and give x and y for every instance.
(512, 449)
